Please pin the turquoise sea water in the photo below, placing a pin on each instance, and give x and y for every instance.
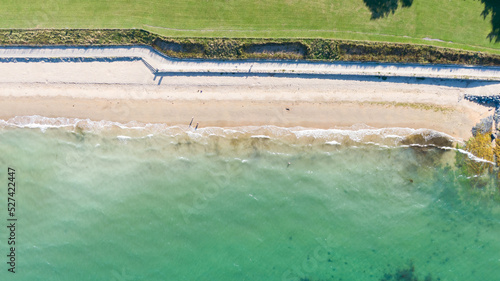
(170, 203)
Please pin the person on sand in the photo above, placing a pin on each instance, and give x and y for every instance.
(192, 118)
(196, 126)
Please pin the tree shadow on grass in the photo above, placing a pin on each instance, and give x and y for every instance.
(492, 7)
(382, 8)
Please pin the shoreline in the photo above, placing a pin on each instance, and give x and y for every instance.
(124, 91)
(455, 119)
(321, 115)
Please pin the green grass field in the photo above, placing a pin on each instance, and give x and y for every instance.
(457, 21)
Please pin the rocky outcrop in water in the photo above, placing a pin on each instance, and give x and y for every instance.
(485, 126)
(489, 125)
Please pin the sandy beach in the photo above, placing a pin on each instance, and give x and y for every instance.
(126, 91)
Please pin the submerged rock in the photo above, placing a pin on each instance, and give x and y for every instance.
(404, 274)
(428, 139)
(485, 126)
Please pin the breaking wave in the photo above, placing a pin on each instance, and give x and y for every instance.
(385, 137)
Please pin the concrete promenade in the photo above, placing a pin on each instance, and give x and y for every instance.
(159, 63)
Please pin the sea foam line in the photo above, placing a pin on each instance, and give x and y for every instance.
(385, 137)
(388, 137)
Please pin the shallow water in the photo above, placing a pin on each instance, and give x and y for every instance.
(263, 203)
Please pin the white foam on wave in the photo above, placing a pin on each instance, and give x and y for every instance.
(394, 137)
(333, 143)
(37, 122)
(44, 123)
(357, 135)
(260, 137)
(474, 157)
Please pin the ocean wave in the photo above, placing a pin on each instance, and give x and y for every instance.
(123, 137)
(357, 135)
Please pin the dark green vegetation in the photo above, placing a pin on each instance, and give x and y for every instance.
(464, 24)
(252, 48)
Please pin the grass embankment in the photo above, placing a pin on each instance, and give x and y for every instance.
(81, 37)
(455, 23)
(252, 48)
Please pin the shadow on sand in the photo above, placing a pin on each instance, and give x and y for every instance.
(455, 83)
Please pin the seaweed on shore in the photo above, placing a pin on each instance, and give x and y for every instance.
(478, 170)
(478, 177)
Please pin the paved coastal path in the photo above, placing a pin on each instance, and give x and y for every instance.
(159, 63)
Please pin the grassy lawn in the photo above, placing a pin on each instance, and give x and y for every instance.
(457, 22)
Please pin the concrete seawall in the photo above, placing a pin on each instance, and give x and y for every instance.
(159, 63)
